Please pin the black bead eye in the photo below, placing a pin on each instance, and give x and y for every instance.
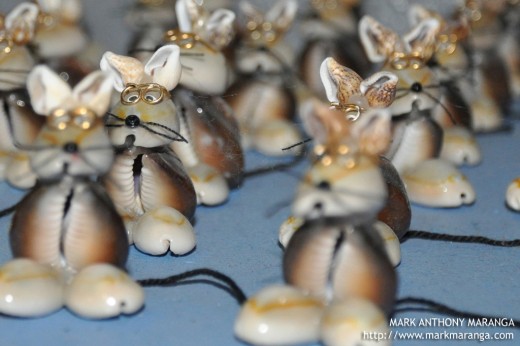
(323, 185)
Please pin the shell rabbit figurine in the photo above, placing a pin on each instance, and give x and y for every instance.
(262, 100)
(68, 241)
(339, 278)
(417, 138)
(460, 99)
(147, 182)
(354, 130)
(17, 119)
(213, 156)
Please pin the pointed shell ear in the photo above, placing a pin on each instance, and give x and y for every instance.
(219, 28)
(418, 13)
(313, 124)
(422, 37)
(250, 11)
(165, 67)
(374, 132)
(183, 13)
(94, 92)
(46, 90)
(282, 14)
(339, 81)
(21, 21)
(122, 69)
(379, 42)
(379, 89)
(69, 10)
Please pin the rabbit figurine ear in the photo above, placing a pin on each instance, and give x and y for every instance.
(94, 92)
(219, 28)
(46, 90)
(165, 67)
(339, 81)
(251, 12)
(183, 11)
(21, 22)
(282, 14)
(379, 42)
(422, 37)
(122, 69)
(374, 132)
(312, 114)
(69, 10)
(417, 13)
(379, 89)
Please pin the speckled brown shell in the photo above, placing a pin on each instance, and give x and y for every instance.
(333, 253)
(459, 109)
(346, 80)
(214, 133)
(93, 232)
(397, 212)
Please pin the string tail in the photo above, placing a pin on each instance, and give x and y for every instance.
(413, 234)
(223, 281)
(9, 210)
(414, 304)
(274, 168)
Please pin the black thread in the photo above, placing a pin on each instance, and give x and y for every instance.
(9, 210)
(274, 168)
(414, 234)
(433, 306)
(231, 286)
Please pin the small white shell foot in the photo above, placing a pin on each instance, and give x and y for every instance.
(460, 147)
(288, 228)
(437, 183)
(19, 172)
(279, 315)
(273, 136)
(390, 242)
(163, 229)
(210, 186)
(29, 289)
(351, 322)
(513, 195)
(103, 291)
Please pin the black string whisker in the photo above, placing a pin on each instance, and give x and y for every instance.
(180, 138)
(297, 144)
(174, 280)
(442, 106)
(416, 234)
(115, 116)
(274, 167)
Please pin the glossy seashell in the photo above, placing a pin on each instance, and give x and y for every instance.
(346, 322)
(280, 315)
(397, 213)
(486, 115)
(287, 229)
(29, 289)
(391, 242)
(103, 291)
(340, 258)
(437, 183)
(210, 186)
(163, 229)
(460, 147)
(416, 139)
(513, 195)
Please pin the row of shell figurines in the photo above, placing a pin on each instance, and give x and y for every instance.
(72, 143)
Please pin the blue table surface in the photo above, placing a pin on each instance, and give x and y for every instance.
(239, 239)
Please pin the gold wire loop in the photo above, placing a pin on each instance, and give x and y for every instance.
(6, 44)
(400, 61)
(352, 111)
(150, 93)
(447, 43)
(186, 40)
(263, 32)
(61, 119)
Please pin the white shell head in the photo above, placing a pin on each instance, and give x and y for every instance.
(145, 112)
(73, 141)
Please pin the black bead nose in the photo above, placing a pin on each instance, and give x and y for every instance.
(70, 148)
(416, 87)
(324, 185)
(132, 121)
(318, 206)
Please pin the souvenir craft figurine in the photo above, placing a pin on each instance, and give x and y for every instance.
(339, 278)
(61, 42)
(261, 99)
(147, 182)
(417, 138)
(459, 99)
(330, 31)
(17, 119)
(68, 241)
(207, 121)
